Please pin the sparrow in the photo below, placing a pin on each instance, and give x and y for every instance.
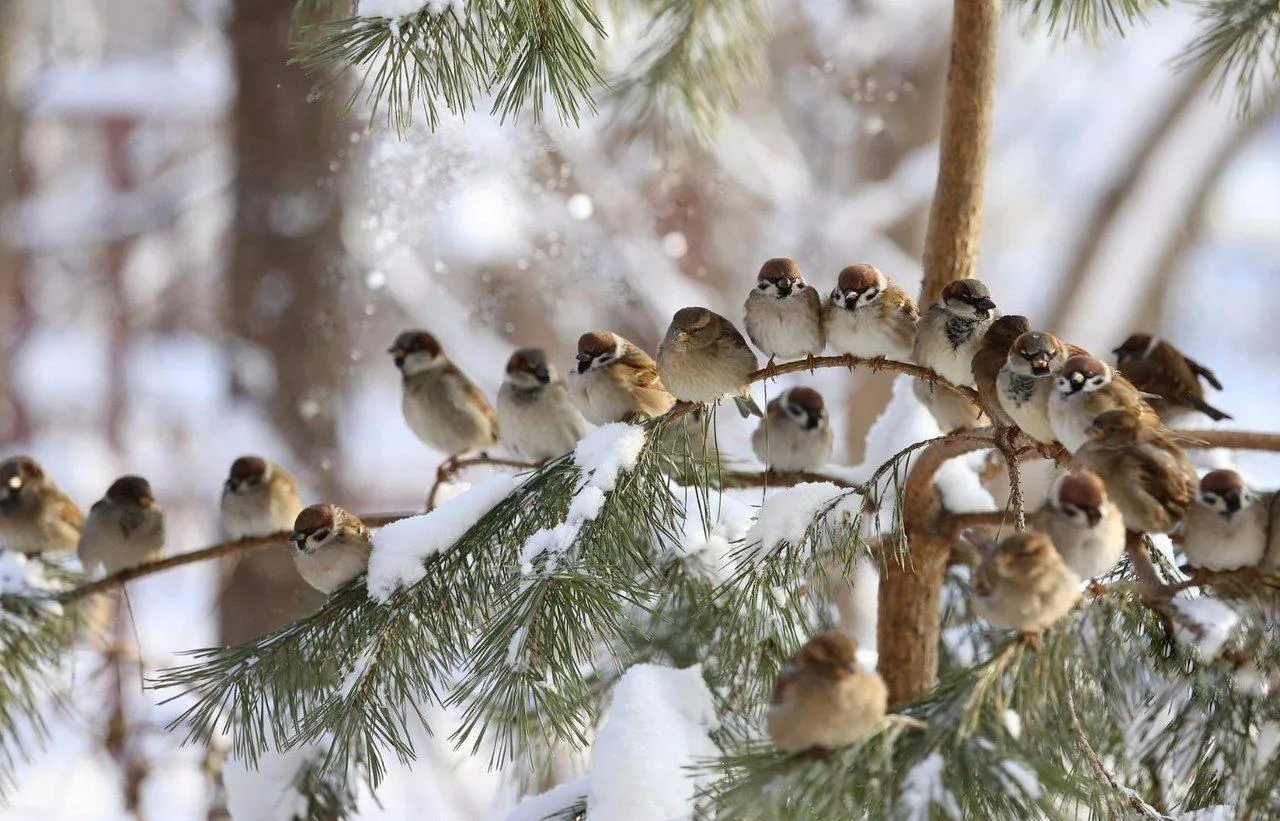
(1147, 475)
(536, 414)
(614, 381)
(991, 357)
(1085, 527)
(703, 358)
(124, 529)
(259, 498)
(35, 515)
(1227, 526)
(795, 434)
(823, 698)
(783, 314)
(952, 330)
(1026, 380)
(442, 406)
(868, 316)
(1084, 388)
(1157, 367)
(1022, 583)
(331, 547)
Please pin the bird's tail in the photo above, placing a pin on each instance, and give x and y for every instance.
(1207, 409)
(747, 404)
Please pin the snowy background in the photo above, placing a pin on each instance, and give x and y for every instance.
(123, 350)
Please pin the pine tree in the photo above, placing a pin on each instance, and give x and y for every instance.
(1151, 696)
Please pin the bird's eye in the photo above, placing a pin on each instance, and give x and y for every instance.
(320, 535)
(1208, 498)
(763, 286)
(870, 294)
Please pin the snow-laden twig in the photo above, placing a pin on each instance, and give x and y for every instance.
(1132, 798)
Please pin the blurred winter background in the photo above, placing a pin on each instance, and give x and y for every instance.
(201, 258)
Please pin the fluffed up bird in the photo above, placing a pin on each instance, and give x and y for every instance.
(1086, 387)
(947, 338)
(536, 415)
(703, 359)
(614, 381)
(824, 698)
(783, 314)
(35, 515)
(1227, 527)
(441, 405)
(1026, 381)
(991, 357)
(795, 434)
(1147, 475)
(1022, 583)
(124, 529)
(1086, 529)
(331, 547)
(259, 498)
(869, 316)
(1158, 368)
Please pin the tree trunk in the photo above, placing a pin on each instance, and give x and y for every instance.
(286, 269)
(910, 617)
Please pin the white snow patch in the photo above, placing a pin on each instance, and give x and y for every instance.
(554, 800)
(1215, 619)
(400, 548)
(656, 728)
(961, 488)
(399, 8)
(923, 789)
(604, 453)
(707, 551)
(21, 575)
(787, 513)
(1023, 777)
(1013, 724)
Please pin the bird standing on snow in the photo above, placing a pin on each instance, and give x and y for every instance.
(824, 699)
(783, 314)
(331, 547)
(259, 498)
(35, 515)
(795, 434)
(441, 405)
(703, 358)
(535, 412)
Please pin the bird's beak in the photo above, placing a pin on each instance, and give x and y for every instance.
(1093, 515)
(146, 501)
(398, 354)
(850, 666)
(231, 486)
(1093, 432)
(543, 375)
(784, 287)
(296, 537)
(584, 362)
(682, 337)
(1040, 365)
(984, 307)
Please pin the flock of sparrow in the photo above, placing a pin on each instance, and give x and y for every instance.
(1127, 469)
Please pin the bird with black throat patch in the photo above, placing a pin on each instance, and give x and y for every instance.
(795, 434)
(870, 317)
(331, 547)
(1228, 525)
(125, 528)
(613, 380)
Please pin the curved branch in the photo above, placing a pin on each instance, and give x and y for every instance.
(1231, 439)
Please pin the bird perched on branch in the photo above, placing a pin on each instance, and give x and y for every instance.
(795, 434)
(124, 529)
(703, 358)
(991, 357)
(441, 405)
(869, 316)
(1026, 381)
(1147, 475)
(259, 498)
(35, 515)
(824, 698)
(1227, 526)
(1085, 388)
(1086, 529)
(947, 337)
(536, 415)
(1022, 583)
(783, 314)
(331, 547)
(614, 381)
(1157, 367)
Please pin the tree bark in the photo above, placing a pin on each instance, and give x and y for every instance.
(910, 610)
(955, 217)
(286, 271)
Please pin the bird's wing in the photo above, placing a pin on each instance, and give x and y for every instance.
(1201, 370)
(476, 397)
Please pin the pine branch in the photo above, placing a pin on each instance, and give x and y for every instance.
(1240, 44)
(1090, 18)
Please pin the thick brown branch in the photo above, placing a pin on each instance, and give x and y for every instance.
(1233, 439)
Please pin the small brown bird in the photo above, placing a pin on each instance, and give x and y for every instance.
(535, 411)
(991, 357)
(703, 359)
(259, 498)
(1085, 388)
(795, 434)
(1022, 583)
(441, 405)
(124, 529)
(783, 314)
(1147, 475)
(824, 699)
(1086, 529)
(1156, 367)
(1025, 383)
(35, 515)
(868, 316)
(953, 328)
(1228, 525)
(332, 547)
(614, 381)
